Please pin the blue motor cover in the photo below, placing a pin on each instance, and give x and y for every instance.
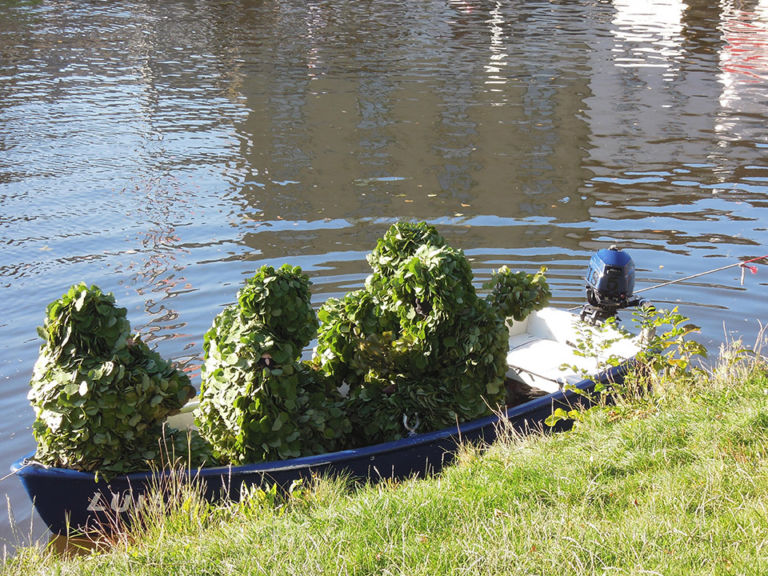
(610, 278)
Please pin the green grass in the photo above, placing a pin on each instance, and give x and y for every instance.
(672, 484)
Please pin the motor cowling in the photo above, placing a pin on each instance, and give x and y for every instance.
(610, 282)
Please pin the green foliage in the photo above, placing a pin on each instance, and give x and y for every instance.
(399, 243)
(517, 294)
(667, 356)
(416, 342)
(665, 359)
(279, 301)
(100, 395)
(563, 415)
(356, 331)
(257, 400)
(594, 341)
(431, 285)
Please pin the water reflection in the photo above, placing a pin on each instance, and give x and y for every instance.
(743, 72)
(649, 34)
(744, 57)
(497, 60)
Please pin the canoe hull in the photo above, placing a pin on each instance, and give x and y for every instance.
(70, 500)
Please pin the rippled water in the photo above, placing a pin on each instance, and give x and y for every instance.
(164, 151)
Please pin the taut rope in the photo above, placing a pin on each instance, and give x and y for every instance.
(743, 265)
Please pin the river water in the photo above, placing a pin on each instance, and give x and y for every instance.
(166, 150)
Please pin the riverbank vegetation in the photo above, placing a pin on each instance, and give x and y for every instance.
(671, 482)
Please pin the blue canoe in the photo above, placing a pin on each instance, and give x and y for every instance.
(71, 500)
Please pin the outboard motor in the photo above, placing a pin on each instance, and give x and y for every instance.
(610, 282)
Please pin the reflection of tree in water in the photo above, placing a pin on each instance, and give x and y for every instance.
(461, 111)
(401, 115)
(525, 129)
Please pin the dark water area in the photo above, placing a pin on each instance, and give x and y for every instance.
(166, 150)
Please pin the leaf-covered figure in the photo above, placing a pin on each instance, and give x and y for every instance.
(417, 344)
(100, 394)
(258, 401)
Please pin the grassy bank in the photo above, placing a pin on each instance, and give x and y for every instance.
(672, 484)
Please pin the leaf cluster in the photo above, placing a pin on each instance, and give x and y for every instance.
(100, 394)
(417, 342)
(258, 401)
(517, 294)
(666, 362)
(668, 355)
(399, 243)
(278, 300)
